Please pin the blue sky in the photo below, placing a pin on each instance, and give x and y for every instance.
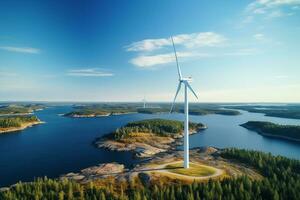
(236, 51)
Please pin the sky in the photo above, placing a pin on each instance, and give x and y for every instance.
(235, 51)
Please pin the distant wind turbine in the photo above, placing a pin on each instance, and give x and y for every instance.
(144, 101)
(186, 82)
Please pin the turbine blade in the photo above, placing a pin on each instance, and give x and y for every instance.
(178, 88)
(189, 86)
(178, 68)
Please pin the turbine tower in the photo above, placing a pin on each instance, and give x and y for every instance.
(186, 82)
(144, 102)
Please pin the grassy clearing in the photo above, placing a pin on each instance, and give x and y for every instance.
(194, 170)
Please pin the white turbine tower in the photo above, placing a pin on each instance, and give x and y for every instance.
(186, 82)
(144, 102)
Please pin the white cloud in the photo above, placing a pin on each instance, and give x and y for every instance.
(150, 61)
(259, 37)
(271, 8)
(90, 72)
(148, 45)
(189, 46)
(201, 39)
(267, 4)
(21, 49)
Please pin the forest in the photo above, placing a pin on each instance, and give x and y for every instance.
(272, 129)
(19, 108)
(284, 111)
(160, 127)
(281, 181)
(151, 108)
(16, 121)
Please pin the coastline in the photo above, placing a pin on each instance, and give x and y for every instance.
(95, 115)
(257, 130)
(16, 114)
(24, 126)
(145, 146)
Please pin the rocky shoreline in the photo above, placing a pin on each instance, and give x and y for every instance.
(152, 170)
(24, 126)
(94, 115)
(95, 172)
(144, 146)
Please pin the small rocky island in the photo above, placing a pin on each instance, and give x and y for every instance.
(147, 137)
(268, 129)
(17, 123)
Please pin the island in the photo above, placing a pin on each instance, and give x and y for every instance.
(269, 129)
(207, 111)
(147, 137)
(291, 111)
(17, 123)
(107, 109)
(19, 109)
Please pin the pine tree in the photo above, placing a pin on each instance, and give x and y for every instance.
(61, 195)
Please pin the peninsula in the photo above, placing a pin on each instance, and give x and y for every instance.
(17, 123)
(147, 137)
(268, 129)
(19, 109)
(291, 111)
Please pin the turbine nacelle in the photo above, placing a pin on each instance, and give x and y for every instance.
(185, 81)
(188, 80)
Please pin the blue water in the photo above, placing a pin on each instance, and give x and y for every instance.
(63, 145)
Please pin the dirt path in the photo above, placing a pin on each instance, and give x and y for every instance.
(162, 169)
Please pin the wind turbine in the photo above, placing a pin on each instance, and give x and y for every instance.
(186, 82)
(144, 102)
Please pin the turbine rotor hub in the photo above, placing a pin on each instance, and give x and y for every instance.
(189, 79)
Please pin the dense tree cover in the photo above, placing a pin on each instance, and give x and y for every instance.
(85, 112)
(44, 188)
(274, 129)
(111, 108)
(19, 109)
(102, 109)
(16, 121)
(205, 111)
(283, 111)
(13, 110)
(282, 181)
(161, 127)
(153, 110)
(282, 174)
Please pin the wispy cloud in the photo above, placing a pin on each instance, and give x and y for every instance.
(259, 37)
(148, 45)
(89, 72)
(21, 49)
(159, 59)
(272, 8)
(202, 39)
(152, 52)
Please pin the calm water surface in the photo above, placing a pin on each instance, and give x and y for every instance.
(63, 145)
